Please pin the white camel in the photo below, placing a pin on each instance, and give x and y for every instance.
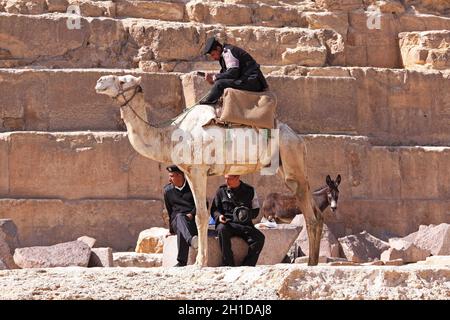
(162, 144)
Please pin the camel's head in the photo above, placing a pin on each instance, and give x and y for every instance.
(113, 85)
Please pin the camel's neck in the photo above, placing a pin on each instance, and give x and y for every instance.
(151, 142)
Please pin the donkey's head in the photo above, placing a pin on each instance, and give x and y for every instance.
(333, 191)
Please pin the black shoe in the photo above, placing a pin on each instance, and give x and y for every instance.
(180, 265)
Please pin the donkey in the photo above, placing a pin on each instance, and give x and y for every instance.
(283, 208)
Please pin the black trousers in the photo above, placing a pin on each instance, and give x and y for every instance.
(185, 230)
(253, 237)
(220, 85)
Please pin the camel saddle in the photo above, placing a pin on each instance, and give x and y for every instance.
(255, 109)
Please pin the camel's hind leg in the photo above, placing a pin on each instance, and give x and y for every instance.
(293, 172)
(197, 180)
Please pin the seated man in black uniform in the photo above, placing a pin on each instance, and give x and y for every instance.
(233, 209)
(180, 205)
(238, 70)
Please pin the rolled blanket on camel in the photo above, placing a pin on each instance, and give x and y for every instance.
(256, 109)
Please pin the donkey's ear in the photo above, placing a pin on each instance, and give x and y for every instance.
(338, 180)
(329, 182)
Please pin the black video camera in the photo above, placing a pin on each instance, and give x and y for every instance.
(242, 215)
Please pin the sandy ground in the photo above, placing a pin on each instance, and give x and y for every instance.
(262, 282)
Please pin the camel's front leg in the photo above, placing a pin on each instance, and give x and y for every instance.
(197, 180)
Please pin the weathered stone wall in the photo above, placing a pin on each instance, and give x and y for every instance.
(372, 125)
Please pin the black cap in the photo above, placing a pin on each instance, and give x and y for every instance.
(211, 44)
(174, 168)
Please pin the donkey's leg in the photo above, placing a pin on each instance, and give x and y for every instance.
(197, 179)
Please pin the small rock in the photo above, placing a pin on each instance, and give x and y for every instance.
(362, 247)
(133, 259)
(101, 257)
(151, 240)
(88, 240)
(8, 231)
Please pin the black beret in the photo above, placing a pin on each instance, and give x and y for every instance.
(211, 44)
(173, 168)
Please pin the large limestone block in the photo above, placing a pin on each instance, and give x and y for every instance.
(107, 45)
(276, 245)
(151, 240)
(79, 165)
(199, 11)
(32, 100)
(362, 247)
(8, 233)
(75, 253)
(140, 260)
(114, 223)
(427, 49)
(405, 250)
(101, 257)
(435, 238)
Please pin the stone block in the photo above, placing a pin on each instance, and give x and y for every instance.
(75, 253)
(101, 257)
(276, 245)
(114, 223)
(140, 260)
(151, 240)
(362, 247)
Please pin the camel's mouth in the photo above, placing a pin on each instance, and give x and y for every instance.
(100, 89)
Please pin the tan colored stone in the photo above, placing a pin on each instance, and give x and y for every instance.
(299, 260)
(151, 10)
(101, 257)
(396, 262)
(430, 6)
(404, 250)
(427, 49)
(194, 88)
(335, 5)
(218, 13)
(437, 260)
(57, 5)
(123, 173)
(25, 6)
(151, 240)
(307, 56)
(114, 223)
(75, 253)
(140, 260)
(88, 240)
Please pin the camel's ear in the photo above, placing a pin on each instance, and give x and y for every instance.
(338, 180)
(329, 182)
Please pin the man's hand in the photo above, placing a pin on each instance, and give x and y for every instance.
(222, 219)
(209, 77)
(190, 216)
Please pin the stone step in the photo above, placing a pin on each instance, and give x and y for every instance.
(130, 42)
(391, 107)
(126, 43)
(427, 49)
(114, 223)
(99, 165)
